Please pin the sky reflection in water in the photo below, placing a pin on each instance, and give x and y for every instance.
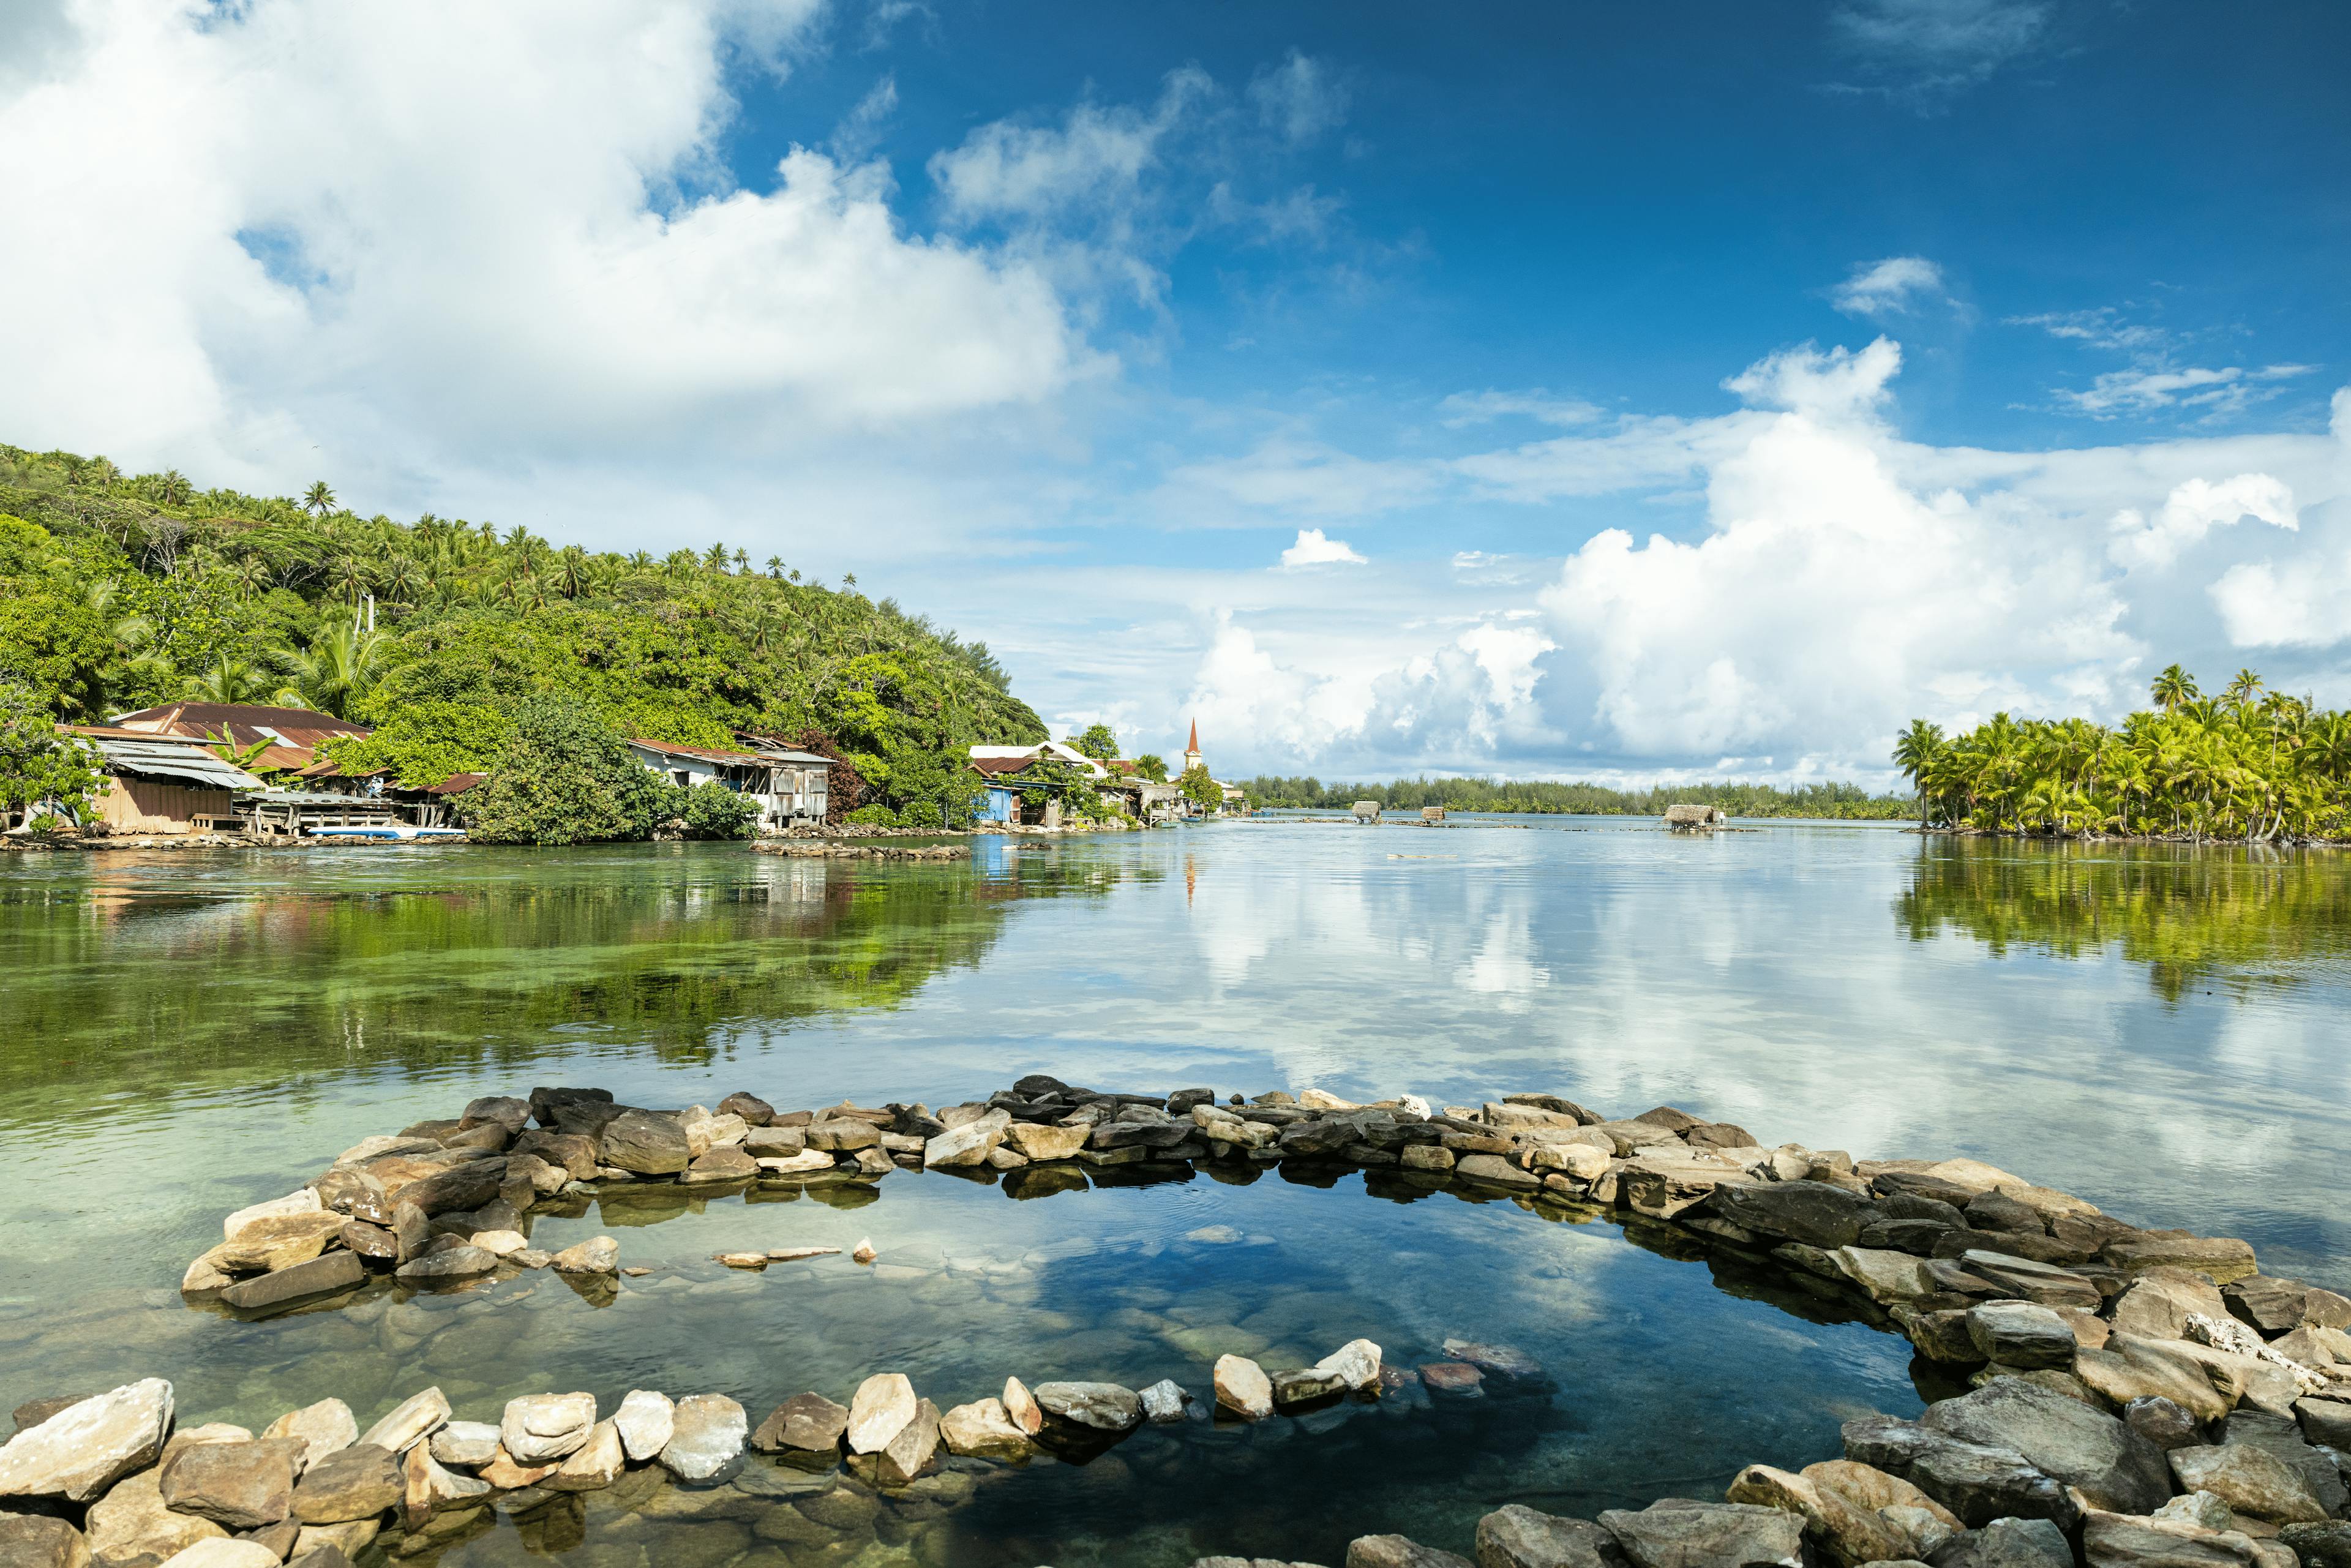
(181, 1034)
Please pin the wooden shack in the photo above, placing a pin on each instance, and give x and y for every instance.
(1367, 810)
(1689, 818)
(1431, 815)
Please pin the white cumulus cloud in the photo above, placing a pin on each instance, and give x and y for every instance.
(2194, 509)
(1313, 549)
(421, 235)
(1889, 287)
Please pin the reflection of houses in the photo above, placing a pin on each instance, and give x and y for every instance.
(1011, 772)
(790, 786)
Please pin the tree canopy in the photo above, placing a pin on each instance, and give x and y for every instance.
(121, 591)
(2250, 764)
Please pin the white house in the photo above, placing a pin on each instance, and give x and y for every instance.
(790, 786)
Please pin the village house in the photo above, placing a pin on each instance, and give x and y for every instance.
(186, 768)
(999, 765)
(792, 787)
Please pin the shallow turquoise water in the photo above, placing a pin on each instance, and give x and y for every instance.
(181, 1034)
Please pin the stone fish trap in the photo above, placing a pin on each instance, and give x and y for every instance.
(2140, 1398)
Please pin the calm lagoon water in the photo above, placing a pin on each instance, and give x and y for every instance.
(2162, 1031)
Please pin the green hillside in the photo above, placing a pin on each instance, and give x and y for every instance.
(118, 591)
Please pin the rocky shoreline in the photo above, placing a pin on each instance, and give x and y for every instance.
(2135, 1398)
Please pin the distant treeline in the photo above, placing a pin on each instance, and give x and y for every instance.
(1834, 800)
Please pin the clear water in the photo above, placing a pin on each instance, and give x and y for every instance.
(182, 1033)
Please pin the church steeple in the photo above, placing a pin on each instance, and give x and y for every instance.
(1192, 750)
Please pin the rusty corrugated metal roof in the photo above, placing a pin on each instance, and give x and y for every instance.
(707, 753)
(246, 722)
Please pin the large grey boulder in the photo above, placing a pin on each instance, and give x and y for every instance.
(354, 1483)
(1813, 1212)
(242, 1485)
(36, 1541)
(2021, 1335)
(319, 1276)
(541, 1428)
(1517, 1536)
(2008, 1543)
(1979, 1482)
(2112, 1466)
(1676, 1533)
(453, 1187)
(1398, 1552)
(645, 1143)
(2324, 1545)
(132, 1521)
(2117, 1541)
(2282, 1440)
(646, 1421)
(2249, 1480)
(707, 1435)
(806, 1423)
(1103, 1408)
(85, 1448)
(968, 1145)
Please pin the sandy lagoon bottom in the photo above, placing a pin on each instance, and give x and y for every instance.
(1664, 1374)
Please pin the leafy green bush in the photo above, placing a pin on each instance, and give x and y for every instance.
(712, 811)
(36, 763)
(563, 776)
(921, 814)
(874, 816)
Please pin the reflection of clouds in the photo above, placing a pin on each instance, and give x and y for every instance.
(1756, 977)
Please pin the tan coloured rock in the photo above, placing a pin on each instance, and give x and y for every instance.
(801, 1163)
(1243, 1388)
(132, 1521)
(595, 1464)
(982, 1430)
(83, 1450)
(278, 1241)
(504, 1473)
(224, 1553)
(429, 1488)
(645, 1420)
(1887, 1276)
(1043, 1143)
(883, 1405)
(321, 1429)
(350, 1537)
(1856, 1535)
(418, 1415)
(303, 1202)
(540, 1428)
(1021, 1406)
(597, 1255)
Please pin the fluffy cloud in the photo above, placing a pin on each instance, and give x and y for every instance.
(1301, 99)
(1313, 549)
(1096, 156)
(413, 254)
(1834, 581)
(2195, 510)
(1827, 595)
(2142, 389)
(1888, 287)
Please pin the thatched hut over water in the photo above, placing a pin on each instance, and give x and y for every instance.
(1688, 819)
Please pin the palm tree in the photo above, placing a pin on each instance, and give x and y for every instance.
(1915, 751)
(228, 681)
(715, 557)
(319, 499)
(173, 490)
(776, 567)
(2173, 688)
(338, 667)
(2243, 690)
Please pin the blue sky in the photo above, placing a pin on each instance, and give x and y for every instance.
(1617, 391)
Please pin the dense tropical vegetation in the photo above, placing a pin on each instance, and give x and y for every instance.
(118, 591)
(2249, 765)
(1840, 802)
